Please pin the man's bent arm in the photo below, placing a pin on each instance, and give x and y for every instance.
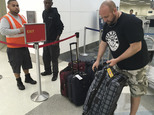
(5, 28)
(132, 50)
(102, 48)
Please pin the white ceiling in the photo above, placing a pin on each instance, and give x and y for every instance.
(136, 2)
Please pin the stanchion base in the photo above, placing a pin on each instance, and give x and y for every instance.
(38, 98)
(0, 76)
(84, 54)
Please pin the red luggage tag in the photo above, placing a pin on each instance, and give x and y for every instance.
(110, 72)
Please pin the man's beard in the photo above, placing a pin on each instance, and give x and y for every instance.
(15, 12)
(113, 20)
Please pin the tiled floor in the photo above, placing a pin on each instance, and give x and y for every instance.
(16, 102)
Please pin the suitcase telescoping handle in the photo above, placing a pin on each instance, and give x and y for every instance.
(77, 58)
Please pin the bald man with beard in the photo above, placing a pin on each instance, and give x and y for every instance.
(124, 36)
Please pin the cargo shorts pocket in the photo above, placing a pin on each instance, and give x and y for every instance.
(138, 82)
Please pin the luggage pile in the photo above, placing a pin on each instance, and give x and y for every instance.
(97, 92)
(76, 79)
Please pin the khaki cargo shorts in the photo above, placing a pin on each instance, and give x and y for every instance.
(137, 81)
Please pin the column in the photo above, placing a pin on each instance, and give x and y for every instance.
(2, 13)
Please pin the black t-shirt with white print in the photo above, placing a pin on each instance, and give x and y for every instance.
(128, 29)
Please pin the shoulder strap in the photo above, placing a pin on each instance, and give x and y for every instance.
(11, 26)
(23, 19)
(18, 25)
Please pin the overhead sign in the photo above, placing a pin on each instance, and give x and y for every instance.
(34, 32)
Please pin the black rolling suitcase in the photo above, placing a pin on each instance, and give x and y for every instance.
(104, 92)
(78, 83)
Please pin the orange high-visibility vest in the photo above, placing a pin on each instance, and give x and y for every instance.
(14, 24)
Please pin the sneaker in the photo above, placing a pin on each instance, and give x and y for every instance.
(46, 73)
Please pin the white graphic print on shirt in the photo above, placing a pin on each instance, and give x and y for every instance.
(112, 40)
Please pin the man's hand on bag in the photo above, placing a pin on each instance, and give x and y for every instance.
(95, 65)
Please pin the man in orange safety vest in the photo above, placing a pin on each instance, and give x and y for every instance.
(11, 25)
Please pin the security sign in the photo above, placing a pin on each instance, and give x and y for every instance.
(34, 32)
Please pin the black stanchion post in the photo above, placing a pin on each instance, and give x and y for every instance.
(77, 40)
(84, 47)
(77, 34)
(40, 95)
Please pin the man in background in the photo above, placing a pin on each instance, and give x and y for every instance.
(131, 12)
(54, 28)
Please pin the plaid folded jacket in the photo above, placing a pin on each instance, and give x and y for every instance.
(104, 92)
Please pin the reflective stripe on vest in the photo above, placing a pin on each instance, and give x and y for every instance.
(14, 24)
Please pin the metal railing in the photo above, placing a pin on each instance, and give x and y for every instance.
(84, 47)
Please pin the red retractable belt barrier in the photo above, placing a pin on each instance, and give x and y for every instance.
(56, 41)
(31, 46)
